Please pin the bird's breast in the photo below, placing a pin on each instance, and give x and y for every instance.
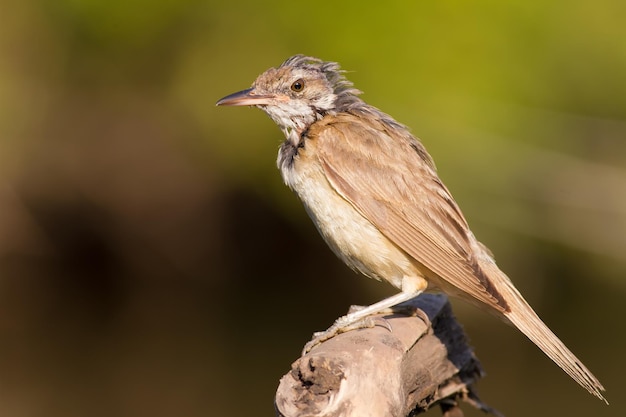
(352, 237)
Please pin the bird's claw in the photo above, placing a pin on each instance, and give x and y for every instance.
(342, 325)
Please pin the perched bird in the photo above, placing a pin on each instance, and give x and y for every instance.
(373, 193)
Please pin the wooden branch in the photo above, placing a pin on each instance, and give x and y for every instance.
(424, 360)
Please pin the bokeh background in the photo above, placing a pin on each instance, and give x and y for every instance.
(152, 263)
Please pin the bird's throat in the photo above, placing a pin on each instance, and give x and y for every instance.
(289, 149)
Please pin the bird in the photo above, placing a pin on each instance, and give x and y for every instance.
(373, 192)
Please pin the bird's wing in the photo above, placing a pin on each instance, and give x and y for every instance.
(389, 178)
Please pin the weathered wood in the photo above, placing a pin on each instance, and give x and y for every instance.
(423, 360)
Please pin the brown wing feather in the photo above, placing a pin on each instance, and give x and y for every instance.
(391, 181)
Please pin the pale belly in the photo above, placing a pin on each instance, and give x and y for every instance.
(352, 237)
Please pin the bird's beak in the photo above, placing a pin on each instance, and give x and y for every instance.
(245, 98)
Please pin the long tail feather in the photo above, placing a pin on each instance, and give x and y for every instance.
(527, 321)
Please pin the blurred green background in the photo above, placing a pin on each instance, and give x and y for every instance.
(152, 263)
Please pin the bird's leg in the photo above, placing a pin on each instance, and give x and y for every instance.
(359, 319)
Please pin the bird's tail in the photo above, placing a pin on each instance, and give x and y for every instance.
(527, 321)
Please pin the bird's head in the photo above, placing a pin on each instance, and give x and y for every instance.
(300, 91)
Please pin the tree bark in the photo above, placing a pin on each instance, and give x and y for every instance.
(399, 368)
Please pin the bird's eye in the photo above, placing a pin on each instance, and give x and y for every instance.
(298, 85)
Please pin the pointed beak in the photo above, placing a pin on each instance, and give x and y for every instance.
(245, 98)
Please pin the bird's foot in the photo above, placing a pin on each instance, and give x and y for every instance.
(342, 325)
(403, 309)
(363, 317)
